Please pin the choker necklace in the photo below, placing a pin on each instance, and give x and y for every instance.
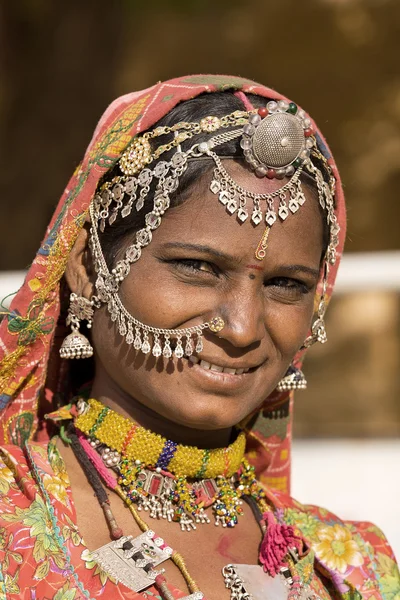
(169, 480)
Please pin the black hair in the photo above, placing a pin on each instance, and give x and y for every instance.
(217, 104)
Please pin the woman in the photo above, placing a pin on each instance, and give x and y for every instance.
(200, 237)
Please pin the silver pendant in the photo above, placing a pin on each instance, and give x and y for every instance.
(215, 186)
(132, 561)
(250, 582)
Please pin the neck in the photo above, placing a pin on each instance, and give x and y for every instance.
(112, 396)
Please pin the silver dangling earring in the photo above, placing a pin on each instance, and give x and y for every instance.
(318, 331)
(293, 380)
(318, 334)
(76, 345)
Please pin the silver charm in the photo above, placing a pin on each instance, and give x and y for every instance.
(132, 561)
(250, 582)
(277, 144)
(235, 198)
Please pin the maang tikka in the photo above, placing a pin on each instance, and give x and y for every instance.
(278, 142)
(76, 345)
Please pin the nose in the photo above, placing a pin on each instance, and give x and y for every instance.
(243, 313)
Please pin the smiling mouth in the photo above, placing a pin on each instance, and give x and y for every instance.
(218, 368)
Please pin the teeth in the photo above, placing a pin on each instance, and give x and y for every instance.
(209, 366)
(205, 364)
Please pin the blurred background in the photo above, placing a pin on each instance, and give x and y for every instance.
(62, 63)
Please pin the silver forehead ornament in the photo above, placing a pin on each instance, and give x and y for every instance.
(275, 145)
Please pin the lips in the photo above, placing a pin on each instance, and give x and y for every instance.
(207, 366)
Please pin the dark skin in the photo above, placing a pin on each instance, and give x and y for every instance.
(200, 264)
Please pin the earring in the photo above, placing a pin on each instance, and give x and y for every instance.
(76, 345)
(293, 380)
(318, 334)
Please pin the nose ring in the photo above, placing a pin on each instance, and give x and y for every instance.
(216, 324)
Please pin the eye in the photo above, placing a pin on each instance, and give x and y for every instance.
(286, 285)
(193, 265)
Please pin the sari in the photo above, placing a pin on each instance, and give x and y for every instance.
(42, 554)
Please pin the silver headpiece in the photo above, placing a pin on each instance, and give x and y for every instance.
(277, 142)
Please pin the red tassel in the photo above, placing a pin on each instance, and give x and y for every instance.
(276, 543)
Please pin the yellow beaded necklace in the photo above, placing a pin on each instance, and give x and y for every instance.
(139, 444)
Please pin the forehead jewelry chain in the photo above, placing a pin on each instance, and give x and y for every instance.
(143, 337)
(278, 142)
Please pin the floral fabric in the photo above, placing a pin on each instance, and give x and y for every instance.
(43, 555)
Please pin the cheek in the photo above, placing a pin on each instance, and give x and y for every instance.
(153, 302)
(288, 325)
(104, 333)
(161, 300)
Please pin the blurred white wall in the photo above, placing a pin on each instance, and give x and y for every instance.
(355, 479)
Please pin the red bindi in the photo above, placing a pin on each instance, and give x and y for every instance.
(254, 267)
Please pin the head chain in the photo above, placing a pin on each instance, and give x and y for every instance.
(135, 183)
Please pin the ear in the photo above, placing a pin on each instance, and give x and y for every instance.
(79, 272)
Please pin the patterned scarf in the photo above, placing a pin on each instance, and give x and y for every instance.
(31, 374)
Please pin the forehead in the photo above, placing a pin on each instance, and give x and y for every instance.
(202, 219)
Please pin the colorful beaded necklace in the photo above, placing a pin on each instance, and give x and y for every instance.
(279, 551)
(278, 575)
(170, 480)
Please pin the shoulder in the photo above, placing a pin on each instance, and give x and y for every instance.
(356, 553)
(42, 554)
(18, 466)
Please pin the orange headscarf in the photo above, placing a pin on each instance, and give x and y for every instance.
(31, 372)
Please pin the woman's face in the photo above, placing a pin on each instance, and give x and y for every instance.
(200, 264)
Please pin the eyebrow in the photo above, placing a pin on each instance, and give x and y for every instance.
(301, 269)
(203, 249)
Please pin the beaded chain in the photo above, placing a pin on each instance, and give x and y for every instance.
(79, 444)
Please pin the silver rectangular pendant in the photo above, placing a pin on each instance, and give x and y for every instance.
(132, 560)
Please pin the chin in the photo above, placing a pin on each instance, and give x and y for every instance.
(209, 414)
